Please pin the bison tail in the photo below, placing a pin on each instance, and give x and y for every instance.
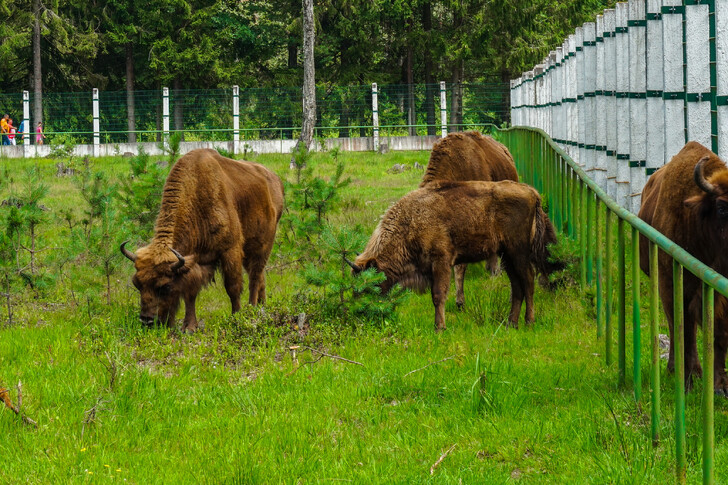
(544, 235)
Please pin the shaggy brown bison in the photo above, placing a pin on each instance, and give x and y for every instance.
(215, 213)
(687, 201)
(431, 229)
(469, 156)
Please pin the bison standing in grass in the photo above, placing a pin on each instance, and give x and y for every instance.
(469, 156)
(447, 223)
(687, 201)
(215, 213)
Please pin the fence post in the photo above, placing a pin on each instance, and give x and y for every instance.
(623, 128)
(560, 133)
(26, 124)
(674, 94)
(443, 107)
(97, 137)
(590, 115)
(721, 94)
(637, 102)
(236, 119)
(165, 115)
(698, 85)
(578, 109)
(655, 131)
(570, 107)
(600, 153)
(375, 116)
(610, 88)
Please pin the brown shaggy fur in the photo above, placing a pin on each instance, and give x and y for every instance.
(218, 213)
(431, 229)
(696, 220)
(469, 156)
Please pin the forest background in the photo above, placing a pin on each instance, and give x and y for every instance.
(116, 45)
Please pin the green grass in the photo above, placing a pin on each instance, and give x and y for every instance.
(229, 404)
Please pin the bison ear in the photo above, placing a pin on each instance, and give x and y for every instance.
(701, 203)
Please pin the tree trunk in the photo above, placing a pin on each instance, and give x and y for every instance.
(178, 108)
(309, 78)
(411, 118)
(430, 91)
(130, 111)
(292, 55)
(37, 73)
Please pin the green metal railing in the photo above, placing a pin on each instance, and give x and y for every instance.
(577, 205)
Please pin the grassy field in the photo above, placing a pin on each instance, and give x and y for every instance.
(117, 402)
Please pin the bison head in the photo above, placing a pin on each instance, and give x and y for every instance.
(160, 279)
(713, 202)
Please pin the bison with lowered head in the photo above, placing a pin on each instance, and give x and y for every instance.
(469, 156)
(687, 201)
(215, 213)
(431, 229)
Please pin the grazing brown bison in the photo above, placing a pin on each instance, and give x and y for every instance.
(687, 201)
(215, 213)
(469, 156)
(431, 229)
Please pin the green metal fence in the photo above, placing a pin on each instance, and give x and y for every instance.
(265, 113)
(587, 214)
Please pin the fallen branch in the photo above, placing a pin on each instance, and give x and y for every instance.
(428, 365)
(442, 457)
(332, 356)
(5, 397)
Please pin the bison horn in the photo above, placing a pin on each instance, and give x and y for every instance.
(180, 262)
(353, 266)
(700, 177)
(126, 252)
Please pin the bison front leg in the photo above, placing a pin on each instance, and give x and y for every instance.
(460, 284)
(439, 290)
(528, 285)
(515, 274)
(232, 272)
(721, 345)
(190, 322)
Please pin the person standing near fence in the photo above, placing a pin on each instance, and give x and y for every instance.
(21, 131)
(4, 128)
(39, 136)
(11, 132)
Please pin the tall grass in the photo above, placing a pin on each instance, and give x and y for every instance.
(232, 403)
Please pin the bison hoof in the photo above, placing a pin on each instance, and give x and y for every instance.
(459, 304)
(193, 327)
(721, 386)
(512, 325)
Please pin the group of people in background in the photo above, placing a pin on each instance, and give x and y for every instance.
(10, 133)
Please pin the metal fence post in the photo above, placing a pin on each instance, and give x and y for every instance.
(708, 384)
(655, 338)
(609, 254)
(636, 327)
(375, 116)
(678, 334)
(443, 109)
(26, 124)
(621, 297)
(165, 115)
(236, 119)
(97, 137)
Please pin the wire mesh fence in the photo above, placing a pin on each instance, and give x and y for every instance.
(264, 113)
